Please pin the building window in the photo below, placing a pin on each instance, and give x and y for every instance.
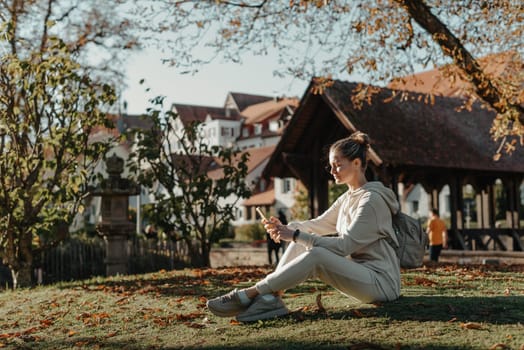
(286, 185)
(258, 129)
(262, 185)
(415, 206)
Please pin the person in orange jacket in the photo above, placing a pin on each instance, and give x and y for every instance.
(438, 235)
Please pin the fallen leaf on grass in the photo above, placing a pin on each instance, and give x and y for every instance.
(298, 314)
(471, 325)
(499, 346)
(94, 319)
(122, 301)
(426, 282)
(194, 325)
(365, 346)
(357, 313)
(81, 343)
(189, 317)
(46, 323)
(234, 322)
(320, 307)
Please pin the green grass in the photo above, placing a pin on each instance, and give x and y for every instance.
(443, 307)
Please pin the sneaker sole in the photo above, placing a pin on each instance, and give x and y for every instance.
(221, 313)
(263, 316)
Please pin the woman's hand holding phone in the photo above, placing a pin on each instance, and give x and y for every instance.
(270, 225)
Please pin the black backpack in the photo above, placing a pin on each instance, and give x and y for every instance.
(412, 240)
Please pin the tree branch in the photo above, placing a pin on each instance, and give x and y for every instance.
(243, 4)
(452, 47)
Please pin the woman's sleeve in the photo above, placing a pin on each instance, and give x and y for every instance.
(362, 231)
(324, 224)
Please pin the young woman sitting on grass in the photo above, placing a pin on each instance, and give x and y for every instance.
(358, 261)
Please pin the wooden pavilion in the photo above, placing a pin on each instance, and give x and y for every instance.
(414, 141)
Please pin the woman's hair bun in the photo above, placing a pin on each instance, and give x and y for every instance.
(360, 138)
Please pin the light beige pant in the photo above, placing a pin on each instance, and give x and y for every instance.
(349, 277)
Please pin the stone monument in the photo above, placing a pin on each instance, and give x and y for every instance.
(114, 224)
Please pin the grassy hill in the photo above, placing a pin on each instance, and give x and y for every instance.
(442, 307)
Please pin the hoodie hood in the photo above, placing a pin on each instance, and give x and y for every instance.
(386, 193)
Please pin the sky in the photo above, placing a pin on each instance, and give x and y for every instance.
(208, 87)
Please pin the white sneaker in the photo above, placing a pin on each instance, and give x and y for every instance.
(262, 308)
(227, 305)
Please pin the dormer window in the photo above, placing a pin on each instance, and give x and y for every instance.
(274, 125)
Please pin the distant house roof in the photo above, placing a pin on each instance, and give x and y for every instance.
(190, 113)
(256, 157)
(403, 132)
(245, 100)
(448, 80)
(204, 163)
(262, 198)
(133, 122)
(271, 109)
(121, 124)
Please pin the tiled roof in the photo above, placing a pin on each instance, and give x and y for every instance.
(245, 100)
(190, 113)
(256, 157)
(141, 122)
(272, 109)
(403, 132)
(422, 134)
(449, 81)
(205, 164)
(262, 198)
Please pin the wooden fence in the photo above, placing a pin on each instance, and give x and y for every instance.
(76, 259)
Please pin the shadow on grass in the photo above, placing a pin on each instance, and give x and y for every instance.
(496, 310)
(191, 282)
(275, 343)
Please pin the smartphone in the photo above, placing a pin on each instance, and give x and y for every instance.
(261, 213)
(264, 218)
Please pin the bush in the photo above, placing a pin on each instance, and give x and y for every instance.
(250, 232)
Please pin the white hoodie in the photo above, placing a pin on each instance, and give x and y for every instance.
(361, 219)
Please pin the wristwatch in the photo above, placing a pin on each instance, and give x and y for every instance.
(295, 235)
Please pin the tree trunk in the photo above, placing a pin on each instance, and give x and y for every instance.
(206, 249)
(194, 252)
(21, 277)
